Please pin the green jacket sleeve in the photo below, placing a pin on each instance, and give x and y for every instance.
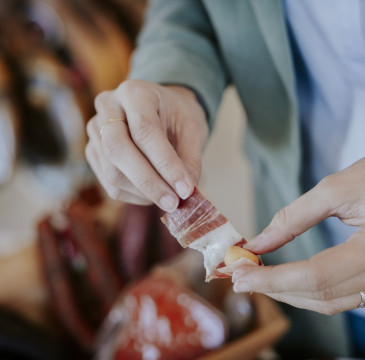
(177, 45)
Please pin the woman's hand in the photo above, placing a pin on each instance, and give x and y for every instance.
(153, 154)
(330, 282)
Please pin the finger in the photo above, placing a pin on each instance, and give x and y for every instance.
(151, 138)
(107, 108)
(94, 152)
(329, 307)
(127, 197)
(113, 192)
(291, 221)
(190, 149)
(353, 285)
(123, 153)
(132, 163)
(110, 174)
(322, 271)
(240, 271)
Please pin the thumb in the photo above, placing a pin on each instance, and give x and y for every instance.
(291, 221)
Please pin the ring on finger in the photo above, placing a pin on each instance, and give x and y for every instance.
(108, 122)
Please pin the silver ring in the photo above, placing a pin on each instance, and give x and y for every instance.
(108, 122)
(362, 304)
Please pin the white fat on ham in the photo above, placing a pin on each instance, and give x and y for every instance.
(215, 244)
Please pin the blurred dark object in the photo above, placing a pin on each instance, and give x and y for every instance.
(156, 318)
(127, 13)
(79, 270)
(134, 236)
(357, 330)
(187, 270)
(22, 286)
(9, 122)
(59, 55)
(51, 106)
(269, 325)
(68, 285)
(239, 311)
(143, 240)
(98, 45)
(22, 340)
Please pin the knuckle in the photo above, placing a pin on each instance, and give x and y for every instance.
(89, 127)
(315, 279)
(92, 130)
(128, 87)
(328, 187)
(331, 191)
(143, 129)
(320, 282)
(137, 89)
(164, 166)
(328, 182)
(146, 185)
(281, 217)
(114, 144)
(201, 128)
(101, 100)
(325, 294)
(110, 149)
(112, 175)
(88, 152)
(194, 168)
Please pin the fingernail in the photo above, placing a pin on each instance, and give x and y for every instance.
(182, 189)
(168, 202)
(241, 287)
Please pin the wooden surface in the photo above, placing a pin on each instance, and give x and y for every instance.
(270, 326)
(22, 286)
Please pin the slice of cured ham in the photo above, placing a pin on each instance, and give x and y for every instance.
(197, 224)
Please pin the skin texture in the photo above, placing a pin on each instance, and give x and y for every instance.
(331, 280)
(154, 154)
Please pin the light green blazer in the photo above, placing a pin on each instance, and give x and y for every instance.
(207, 44)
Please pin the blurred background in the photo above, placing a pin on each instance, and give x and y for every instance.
(71, 259)
(55, 56)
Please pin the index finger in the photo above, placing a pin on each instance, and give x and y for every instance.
(151, 137)
(325, 269)
(120, 150)
(291, 221)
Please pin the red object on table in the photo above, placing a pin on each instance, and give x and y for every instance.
(158, 319)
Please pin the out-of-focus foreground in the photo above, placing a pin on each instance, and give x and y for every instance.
(82, 276)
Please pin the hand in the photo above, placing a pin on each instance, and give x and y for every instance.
(154, 153)
(331, 280)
